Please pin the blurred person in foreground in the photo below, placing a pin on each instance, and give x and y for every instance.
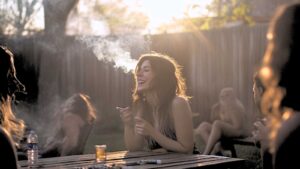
(260, 131)
(281, 99)
(71, 127)
(160, 118)
(11, 128)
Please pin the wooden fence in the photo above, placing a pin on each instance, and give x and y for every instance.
(212, 60)
(215, 59)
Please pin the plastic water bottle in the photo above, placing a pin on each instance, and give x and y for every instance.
(32, 148)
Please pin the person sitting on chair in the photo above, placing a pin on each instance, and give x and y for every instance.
(228, 120)
(160, 118)
(76, 118)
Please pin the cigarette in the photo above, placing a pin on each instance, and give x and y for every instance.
(142, 162)
(121, 108)
(150, 162)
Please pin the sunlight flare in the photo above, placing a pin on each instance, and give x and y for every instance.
(166, 11)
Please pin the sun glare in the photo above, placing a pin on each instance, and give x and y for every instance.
(165, 11)
(159, 12)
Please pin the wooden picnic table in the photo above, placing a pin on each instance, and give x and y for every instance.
(133, 160)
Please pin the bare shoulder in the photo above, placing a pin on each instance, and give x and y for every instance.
(180, 105)
(70, 116)
(73, 120)
(178, 100)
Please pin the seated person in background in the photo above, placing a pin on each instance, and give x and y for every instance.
(281, 99)
(11, 128)
(160, 118)
(228, 120)
(72, 126)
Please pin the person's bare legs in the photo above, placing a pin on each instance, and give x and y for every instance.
(214, 136)
(204, 130)
(217, 148)
(219, 128)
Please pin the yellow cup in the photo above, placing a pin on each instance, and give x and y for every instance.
(100, 153)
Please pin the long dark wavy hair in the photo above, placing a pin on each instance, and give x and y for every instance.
(81, 105)
(280, 64)
(9, 84)
(168, 83)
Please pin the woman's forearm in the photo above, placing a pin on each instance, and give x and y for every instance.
(133, 142)
(173, 145)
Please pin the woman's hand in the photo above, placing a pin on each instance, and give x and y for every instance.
(126, 115)
(260, 133)
(143, 127)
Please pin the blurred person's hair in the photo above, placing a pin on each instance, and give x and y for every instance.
(8, 120)
(280, 65)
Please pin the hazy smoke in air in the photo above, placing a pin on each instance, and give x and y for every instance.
(116, 50)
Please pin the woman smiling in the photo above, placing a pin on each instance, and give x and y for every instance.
(160, 116)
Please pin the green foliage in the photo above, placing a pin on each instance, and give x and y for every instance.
(221, 12)
(119, 18)
(16, 16)
(227, 11)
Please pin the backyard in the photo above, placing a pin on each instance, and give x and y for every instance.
(62, 48)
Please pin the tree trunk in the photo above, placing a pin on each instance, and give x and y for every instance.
(56, 15)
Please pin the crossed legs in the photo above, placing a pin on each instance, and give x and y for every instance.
(212, 133)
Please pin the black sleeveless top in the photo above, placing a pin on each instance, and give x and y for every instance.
(152, 144)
